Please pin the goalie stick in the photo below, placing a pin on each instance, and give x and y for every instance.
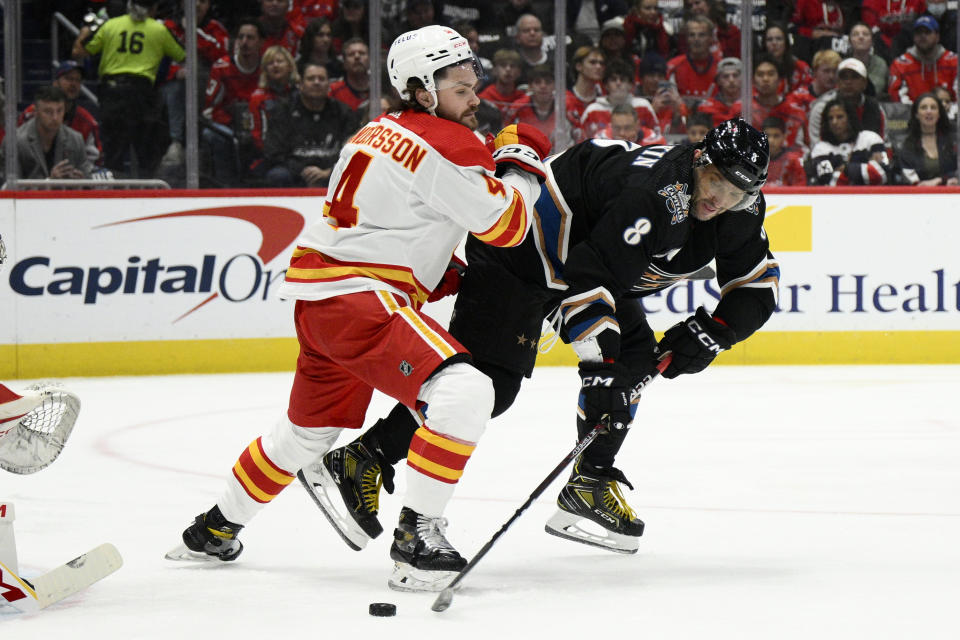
(444, 600)
(62, 582)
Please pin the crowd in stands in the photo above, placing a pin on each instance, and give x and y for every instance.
(858, 92)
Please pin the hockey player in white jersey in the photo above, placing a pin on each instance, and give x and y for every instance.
(404, 193)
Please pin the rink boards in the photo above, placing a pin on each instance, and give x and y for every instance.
(105, 283)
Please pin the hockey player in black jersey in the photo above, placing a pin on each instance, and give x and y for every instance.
(614, 222)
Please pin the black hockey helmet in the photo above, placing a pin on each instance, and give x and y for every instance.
(741, 154)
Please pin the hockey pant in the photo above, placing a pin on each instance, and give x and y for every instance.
(340, 365)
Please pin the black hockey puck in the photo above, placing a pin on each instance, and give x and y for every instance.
(383, 609)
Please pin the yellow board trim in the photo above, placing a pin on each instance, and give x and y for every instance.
(161, 357)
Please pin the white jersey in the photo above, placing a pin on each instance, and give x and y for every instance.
(406, 190)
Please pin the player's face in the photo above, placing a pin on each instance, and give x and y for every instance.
(714, 194)
(456, 96)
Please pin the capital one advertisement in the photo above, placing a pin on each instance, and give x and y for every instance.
(149, 269)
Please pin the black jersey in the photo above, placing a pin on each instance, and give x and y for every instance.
(614, 218)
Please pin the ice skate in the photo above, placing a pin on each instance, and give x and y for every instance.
(593, 511)
(346, 486)
(423, 558)
(211, 537)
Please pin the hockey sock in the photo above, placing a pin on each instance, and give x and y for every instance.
(603, 451)
(435, 463)
(260, 478)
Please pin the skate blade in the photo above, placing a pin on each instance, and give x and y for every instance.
(318, 483)
(568, 526)
(181, 553)
(411, 580)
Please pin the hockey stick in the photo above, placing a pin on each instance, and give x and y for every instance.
(443, 601)
(62, 582)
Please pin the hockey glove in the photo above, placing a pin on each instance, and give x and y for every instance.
(605, 394)
(521, 146)
(694, 343)
(451, 280)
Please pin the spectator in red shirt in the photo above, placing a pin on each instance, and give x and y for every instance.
(278, 78)
(538, 108)
(351, 23)
(232, 81)
(786, 164)
(619, 86)
(316, 45)
(726, 104)
(816, 19)
(625, 125)
(277, 28)
(825, 65)
(504, 91)
(925, 65)
(693, 72)
(644, 30)
(354, 89)
(726, 37)
(69, 79)
(663, 95)
(212, 44)
(793, 72)
(767, 101)
(888, 16)
(306, 11)
(589, 64)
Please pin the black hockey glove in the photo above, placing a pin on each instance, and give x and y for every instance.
(605, 394)
(694, 343)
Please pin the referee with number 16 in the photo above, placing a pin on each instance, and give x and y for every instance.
(131, 48)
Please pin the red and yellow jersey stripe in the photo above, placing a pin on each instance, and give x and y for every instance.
(510, 228)
(310, 266)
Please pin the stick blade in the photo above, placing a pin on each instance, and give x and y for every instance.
(442, 603)
(78, 574)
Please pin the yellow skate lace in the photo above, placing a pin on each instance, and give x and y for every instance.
(370, 484)
(616, 503)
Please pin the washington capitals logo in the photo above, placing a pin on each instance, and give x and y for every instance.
(678, 201)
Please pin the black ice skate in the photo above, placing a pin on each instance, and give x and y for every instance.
(210, 537)
(592, 497)
(423, 558)
(346, 486)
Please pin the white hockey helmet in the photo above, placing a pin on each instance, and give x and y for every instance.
(422, 52)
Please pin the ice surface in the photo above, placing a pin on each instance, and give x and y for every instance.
(780, 502)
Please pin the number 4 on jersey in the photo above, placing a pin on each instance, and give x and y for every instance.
(339, 210)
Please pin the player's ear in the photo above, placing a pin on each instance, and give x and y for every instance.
(424, 98)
